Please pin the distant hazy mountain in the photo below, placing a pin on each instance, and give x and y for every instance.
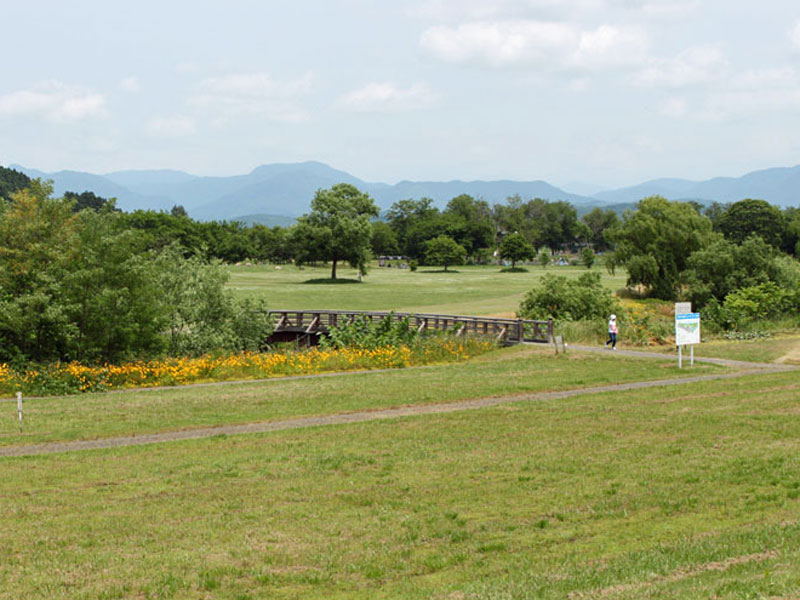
(779, 186)
(278, 190)
(286, 189)
(494, 192)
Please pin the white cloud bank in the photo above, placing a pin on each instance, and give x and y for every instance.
(552, 45)
(388, 97)
(54, 101)
(253, 94)
(693, 66)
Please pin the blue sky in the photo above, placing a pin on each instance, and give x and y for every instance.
(609, 92)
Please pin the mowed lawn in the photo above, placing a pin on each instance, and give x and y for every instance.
(691, 491)
(510, 371)
(477, 290)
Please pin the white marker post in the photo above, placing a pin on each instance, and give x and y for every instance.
(19, 410)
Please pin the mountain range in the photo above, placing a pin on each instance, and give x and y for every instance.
(277, 193)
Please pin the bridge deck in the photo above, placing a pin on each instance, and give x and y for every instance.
(510, 331)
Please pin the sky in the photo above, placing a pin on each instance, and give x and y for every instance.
(579, 93)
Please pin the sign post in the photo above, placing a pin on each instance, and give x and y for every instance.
(687, 330)
(19, 410)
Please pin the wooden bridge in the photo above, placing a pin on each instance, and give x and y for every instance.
(308, 325)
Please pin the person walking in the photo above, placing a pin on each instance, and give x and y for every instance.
(612, 332)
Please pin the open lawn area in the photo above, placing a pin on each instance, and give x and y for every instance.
(690, 491)
(477, 290)
(511, 371)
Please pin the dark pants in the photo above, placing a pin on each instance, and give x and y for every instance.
(612, 339)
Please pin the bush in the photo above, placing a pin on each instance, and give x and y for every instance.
(364, 333)
(572, 300)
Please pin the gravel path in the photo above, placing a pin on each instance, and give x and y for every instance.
(391, 413)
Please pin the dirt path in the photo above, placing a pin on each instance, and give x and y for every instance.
(376, 415)
(792, 357)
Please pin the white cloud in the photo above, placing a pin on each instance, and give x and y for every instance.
(692, 66)
(554, 45)
(795, 35)
(556, 10)
(54, 101)
(611, 47)
(254, 94)
(675, 108)
(130, 84)
(174, 126)
(387, 97)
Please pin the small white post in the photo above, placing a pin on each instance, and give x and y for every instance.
(19, 410)
(691, 355)
(680, 357)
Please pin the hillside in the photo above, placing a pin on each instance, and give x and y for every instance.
(286, 189)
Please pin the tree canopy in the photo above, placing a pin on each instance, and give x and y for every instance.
(339, 225)
(655, 241)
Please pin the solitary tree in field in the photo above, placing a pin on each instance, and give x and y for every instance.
(515, 247)
(444, 250)
(340, 223)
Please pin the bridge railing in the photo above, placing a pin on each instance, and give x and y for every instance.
(507, 330)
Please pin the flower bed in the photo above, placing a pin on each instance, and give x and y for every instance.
(68, 378)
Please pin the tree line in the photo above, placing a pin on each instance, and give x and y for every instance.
(82, 250)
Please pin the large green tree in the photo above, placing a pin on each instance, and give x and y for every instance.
(340, 218)
(748, 217)
(444, 250)
(515, 247)
(654, 244)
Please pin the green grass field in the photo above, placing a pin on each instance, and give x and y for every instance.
(480, 290)
(511, 371)
(684, 492)
(691, 491)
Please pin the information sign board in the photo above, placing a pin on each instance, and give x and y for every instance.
(687, 329)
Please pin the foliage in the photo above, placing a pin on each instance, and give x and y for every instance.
(749, 304)
(201, 315)
(384, 241)
(654, 244)
(12, 181)
(545, 257)
(444, 250)
(560, 298)
(85, 286)
(599, 221)
(724, 267)
(89, 201)
(587, 257)
(339, 225)
(362, 332)
(515, 247)
(753, 217)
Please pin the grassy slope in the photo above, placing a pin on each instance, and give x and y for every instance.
(509, 371)
(690, 492)
(467, 290)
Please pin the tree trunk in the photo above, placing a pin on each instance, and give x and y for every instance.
(333, 269)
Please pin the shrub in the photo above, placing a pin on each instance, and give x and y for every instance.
(364, 333)
(570, 300)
